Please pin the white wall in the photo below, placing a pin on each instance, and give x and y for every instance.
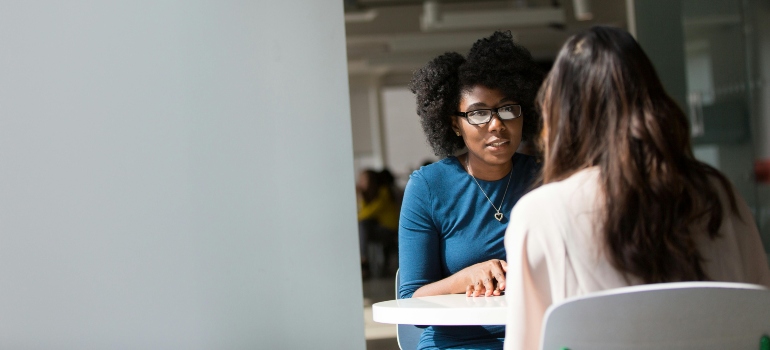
(366, 123)
(176, 175)
(405, 143)
(361, 120)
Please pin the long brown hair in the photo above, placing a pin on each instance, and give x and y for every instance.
(603, 105)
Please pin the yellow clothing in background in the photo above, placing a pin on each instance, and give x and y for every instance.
(383, 209)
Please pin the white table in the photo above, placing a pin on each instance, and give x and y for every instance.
(442, 310)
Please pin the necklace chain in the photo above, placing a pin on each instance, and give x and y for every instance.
(498, 214)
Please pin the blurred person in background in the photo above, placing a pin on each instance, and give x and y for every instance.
(377, 216)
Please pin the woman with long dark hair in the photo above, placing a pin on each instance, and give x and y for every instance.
(623, 200)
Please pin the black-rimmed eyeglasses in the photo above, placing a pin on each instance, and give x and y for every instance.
(481, 116)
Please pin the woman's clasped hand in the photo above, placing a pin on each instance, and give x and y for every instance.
(486, 278)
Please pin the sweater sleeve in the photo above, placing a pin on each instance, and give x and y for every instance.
(418, 239)
(528, 290)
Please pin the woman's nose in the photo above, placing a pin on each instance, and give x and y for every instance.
(495, 123)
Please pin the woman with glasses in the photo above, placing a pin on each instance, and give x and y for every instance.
(624, 201)
(475, 112)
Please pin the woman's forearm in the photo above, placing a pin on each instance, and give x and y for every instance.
(454, 284)
(485, 278)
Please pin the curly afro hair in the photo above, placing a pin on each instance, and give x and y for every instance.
(495, 62)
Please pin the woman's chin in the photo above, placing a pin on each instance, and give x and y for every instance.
(501, 153)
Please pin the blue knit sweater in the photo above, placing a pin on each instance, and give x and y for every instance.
(446, 225)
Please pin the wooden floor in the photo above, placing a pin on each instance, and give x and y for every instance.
(378, 336)
(382, 344)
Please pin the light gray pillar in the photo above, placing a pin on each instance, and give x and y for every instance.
(176, 175)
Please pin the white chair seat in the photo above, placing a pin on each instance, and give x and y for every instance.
(684, 315)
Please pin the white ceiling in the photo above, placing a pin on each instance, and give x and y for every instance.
(391, 38)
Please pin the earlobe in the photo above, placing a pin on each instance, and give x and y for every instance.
(455, 128)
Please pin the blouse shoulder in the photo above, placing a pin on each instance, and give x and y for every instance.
(562, 198)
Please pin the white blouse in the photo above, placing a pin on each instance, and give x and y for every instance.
(555, 252)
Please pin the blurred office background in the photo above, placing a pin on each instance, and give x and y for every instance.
(712, 55)
(179, 174)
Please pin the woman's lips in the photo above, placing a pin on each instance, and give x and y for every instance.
(498, 143)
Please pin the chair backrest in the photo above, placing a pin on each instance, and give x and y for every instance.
(408, 336)
(683, 315)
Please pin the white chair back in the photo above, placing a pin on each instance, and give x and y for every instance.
(408, 336)
(684, 315)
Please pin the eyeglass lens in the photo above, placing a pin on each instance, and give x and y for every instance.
(482, 116)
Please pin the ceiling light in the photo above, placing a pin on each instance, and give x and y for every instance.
(433, 19)
(360, 16)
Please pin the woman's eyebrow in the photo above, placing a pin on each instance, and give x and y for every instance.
(476, 105)
(484, 105)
